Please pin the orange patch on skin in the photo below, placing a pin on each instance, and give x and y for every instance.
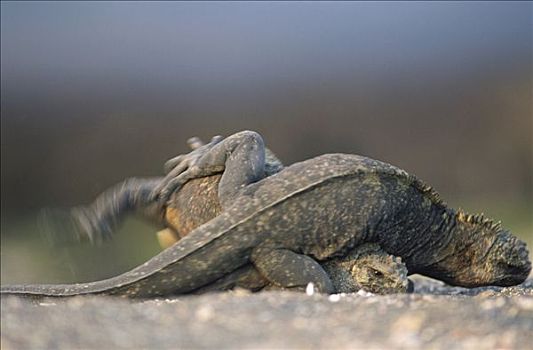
(173, 218)
(194, 204)
(167, 238)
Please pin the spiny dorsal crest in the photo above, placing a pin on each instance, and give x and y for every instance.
(434, 196)
(427, 190)
(479, 219)
(394, 259)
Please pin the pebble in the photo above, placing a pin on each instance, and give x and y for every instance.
(310, 289)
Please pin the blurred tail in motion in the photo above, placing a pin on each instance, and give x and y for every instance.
(97, 222)
(60, 227)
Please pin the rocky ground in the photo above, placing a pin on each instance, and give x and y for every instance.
(434, 317)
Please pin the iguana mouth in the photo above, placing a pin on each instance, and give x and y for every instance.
(512, 268)
(514, 274)
(510, 280)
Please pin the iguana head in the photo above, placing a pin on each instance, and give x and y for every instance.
(369, 268)
(490, 256)
(508, 260)
(505, 262)
(380, 274)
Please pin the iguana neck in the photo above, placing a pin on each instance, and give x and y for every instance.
(458, 239)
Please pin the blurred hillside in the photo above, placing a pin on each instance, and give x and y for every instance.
(93, 93)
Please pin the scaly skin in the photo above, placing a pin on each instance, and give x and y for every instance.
(311, 212)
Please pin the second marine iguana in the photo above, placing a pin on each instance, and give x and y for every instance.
(309, 212)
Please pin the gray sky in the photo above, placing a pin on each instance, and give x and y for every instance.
(172, 43)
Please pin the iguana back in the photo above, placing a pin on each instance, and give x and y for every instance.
(367, 267)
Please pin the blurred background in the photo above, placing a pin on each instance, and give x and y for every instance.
(94, 92)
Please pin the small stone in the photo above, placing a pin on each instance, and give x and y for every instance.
(363, 293)
(334, 298)
(237, 291)
(310, 289)
(46, 304)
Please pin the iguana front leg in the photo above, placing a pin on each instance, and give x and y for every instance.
(241, 157)
(272, 163)
(287, 269)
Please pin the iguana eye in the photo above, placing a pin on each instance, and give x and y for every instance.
(377, 273)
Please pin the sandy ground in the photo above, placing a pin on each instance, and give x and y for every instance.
(434, 317)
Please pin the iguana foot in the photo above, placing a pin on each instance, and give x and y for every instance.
(185, 167)
(194, 143)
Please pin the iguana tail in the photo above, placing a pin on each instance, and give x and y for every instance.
(97, 221)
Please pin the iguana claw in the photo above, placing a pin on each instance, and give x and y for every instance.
(194, 144)
(184, 167)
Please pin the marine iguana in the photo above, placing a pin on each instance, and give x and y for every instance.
(312, 211)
